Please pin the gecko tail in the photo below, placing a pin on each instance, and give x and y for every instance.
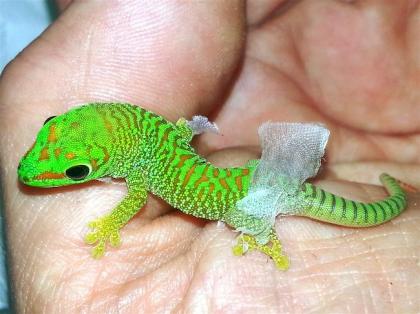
(325, 206)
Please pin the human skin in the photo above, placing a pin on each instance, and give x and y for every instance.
(354, 66)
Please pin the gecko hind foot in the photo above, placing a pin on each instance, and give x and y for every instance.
(246, 242)
(104, 230)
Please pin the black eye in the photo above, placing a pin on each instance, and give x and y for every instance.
(48, 119)
(78, 173)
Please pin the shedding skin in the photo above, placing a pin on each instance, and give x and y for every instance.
(154, 155)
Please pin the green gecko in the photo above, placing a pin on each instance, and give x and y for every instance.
(154, 155)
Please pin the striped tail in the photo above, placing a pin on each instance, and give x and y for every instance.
(324, 206)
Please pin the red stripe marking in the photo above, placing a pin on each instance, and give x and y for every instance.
(52, 136)
(188, 175)
(49, 176)
(203, 177)
(211, 187)
(224, 183)
(238, 181)
(94, 164)
(219, 195)
(183, 159)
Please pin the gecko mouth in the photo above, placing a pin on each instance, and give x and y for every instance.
(29, 175)
(22, 173)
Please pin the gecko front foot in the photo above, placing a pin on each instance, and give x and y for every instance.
(246, 242)
(104, 229)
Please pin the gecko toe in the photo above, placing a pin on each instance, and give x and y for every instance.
(115, 239)
(272, 249)
(99, 250)
(281, 261)
(91, 238)
(104, 230)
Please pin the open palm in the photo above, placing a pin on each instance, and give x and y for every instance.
(351, 65)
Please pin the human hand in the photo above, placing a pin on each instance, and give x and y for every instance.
(349, 65)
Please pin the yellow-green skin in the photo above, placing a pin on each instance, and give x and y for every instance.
(154, 155)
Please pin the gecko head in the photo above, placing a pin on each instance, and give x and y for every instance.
(69, 149)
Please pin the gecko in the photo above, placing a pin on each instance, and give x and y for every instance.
(152, 154)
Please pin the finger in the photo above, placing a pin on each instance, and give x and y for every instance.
(174, 57)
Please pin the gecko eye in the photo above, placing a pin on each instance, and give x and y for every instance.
(48, 119)
(78, 172)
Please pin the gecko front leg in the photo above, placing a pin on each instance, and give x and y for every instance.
(107, 228)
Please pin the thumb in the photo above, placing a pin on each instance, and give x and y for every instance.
(170, 57)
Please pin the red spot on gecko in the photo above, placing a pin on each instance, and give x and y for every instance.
(106, 157)
(94, 164)
(57, 152)
(52, 136)
(70, 155)
(44, 154)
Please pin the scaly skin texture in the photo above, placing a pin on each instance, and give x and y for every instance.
(152, 154)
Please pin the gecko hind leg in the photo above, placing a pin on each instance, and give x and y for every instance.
(273, 248)
(257, 234)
